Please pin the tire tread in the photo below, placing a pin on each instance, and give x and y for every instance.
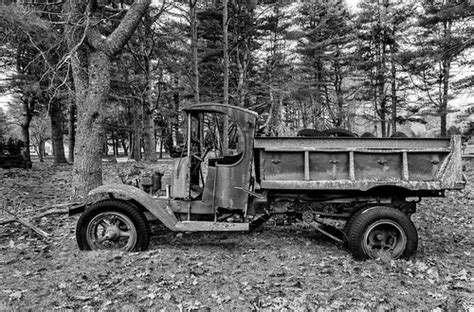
(363, 218)
(129, 209)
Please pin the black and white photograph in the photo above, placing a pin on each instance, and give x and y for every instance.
(236, 155)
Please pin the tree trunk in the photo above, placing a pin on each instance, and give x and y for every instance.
(339, 94)
(162, 138)
(91, 53)
(41, 150)
(28, 105)
(242, 65)
(72, 131)
(124, 145)
(274, 116)
(149, 138)
(445, 66)
(57, 133)
(174, 125)
(394, 92)
(225, 39)
(149, 134)
(90, 132)
(115, 144)
(194, 48)
(381, 73)
(225, 48)
(444, 101)
(135, 148)
(381, 89)
(105, 146)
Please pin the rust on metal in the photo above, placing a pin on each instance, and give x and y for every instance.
(319, 143)
(208, 226)
(148, 202)
(224, 180)
(304, 163)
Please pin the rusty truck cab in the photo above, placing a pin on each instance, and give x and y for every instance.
(214, 175)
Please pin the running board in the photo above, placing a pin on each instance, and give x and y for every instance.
(208, 226)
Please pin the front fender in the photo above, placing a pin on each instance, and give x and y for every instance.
(159, 208)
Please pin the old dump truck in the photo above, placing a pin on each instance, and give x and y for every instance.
(360, 192)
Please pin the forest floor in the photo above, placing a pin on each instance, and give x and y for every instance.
(271, 269)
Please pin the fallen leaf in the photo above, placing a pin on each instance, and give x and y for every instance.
(16, 295)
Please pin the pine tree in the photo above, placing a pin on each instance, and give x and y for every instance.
(324, 45)
(382, 27)
(275, 71)
(445, 35)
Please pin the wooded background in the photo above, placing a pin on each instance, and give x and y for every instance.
(102, 77)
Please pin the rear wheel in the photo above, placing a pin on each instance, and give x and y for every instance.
(382, 230)
(113, 225)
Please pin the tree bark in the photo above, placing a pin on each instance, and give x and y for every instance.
(124, 145)
(339, 92)
(72, 131)
(394, 92)
(381, 89)
(25, 133)
(115, 144)
(381, 71)
(445, 66)
(135, 148)
(57, 133)
(90, 132)
(225, 48)
(149, 134)
(41, 150)
(28, 108)
(149, 138)
(194, 49)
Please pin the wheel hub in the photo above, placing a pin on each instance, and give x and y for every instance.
(112, 233)
(111, 230)
(384, 236)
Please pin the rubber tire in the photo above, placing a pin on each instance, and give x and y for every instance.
(310, 133)
(339, 133)
(346, 229)
(367, 135)
(364, 218)
(399, 134)
(348, 225)
(131, 211)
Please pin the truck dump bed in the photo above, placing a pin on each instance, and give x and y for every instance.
(327, 163)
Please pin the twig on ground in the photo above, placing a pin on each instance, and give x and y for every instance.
(26, 223)
(64, 205)
(57, 209)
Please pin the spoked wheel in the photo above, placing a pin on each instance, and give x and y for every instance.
(382, 230)
(113, 225)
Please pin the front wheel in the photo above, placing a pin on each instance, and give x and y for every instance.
(378, 230)
(113, 225)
